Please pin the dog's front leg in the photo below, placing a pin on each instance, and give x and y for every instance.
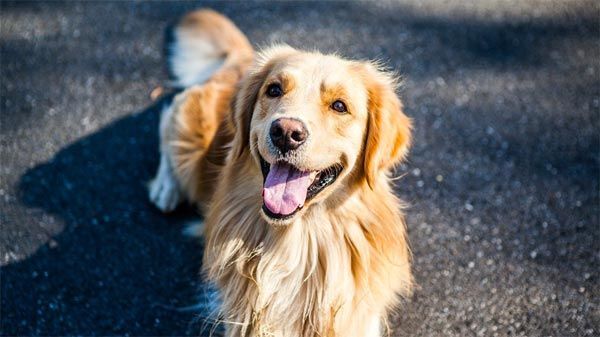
(373, 328)
(164, 190)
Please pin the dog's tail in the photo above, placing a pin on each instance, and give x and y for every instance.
(203, 44)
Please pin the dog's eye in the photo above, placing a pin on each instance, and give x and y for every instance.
(339, 106)
(274, 90)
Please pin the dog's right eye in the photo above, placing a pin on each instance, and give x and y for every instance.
(274, 90)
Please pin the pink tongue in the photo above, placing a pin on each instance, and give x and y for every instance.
(285, 189)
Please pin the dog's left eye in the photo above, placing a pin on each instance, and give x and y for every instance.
(274, 90)
(339, 106)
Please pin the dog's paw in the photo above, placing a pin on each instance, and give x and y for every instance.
(164, 190)
(194, 229)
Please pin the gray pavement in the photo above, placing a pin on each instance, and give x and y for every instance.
(502, 183)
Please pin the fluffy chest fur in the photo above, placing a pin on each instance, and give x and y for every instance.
(308, 278)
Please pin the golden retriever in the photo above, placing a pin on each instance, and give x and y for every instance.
(288, 154)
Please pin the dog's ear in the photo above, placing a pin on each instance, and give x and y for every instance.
(248, 92)
(243, 107)
(388, 128)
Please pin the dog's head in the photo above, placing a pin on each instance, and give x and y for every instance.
(314, 123)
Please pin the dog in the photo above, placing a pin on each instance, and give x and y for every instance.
(288, 154)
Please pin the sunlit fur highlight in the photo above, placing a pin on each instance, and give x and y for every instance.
(337, 269)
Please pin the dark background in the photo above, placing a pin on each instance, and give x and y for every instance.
(502, 183)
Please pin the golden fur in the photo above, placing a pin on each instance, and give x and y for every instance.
(336, 267)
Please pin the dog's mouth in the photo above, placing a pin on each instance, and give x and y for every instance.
(286, 188)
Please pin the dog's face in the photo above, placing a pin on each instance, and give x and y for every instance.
(310, 121)
(307, 130)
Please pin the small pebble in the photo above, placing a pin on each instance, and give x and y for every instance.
(533, 254)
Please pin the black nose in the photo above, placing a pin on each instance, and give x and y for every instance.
(288, 134)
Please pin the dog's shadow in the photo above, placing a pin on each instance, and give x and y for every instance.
(117, 260)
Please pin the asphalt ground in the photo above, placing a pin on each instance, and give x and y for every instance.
(502, 183)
